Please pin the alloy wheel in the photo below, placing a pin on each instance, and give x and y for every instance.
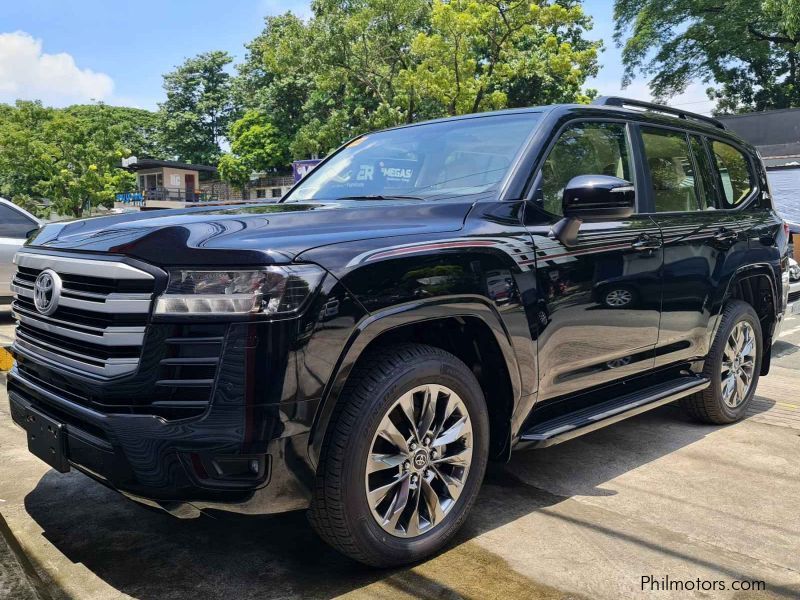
(620, 297)
(419, 460)
(738, 364)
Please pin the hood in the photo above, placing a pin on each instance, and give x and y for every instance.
(250, 234)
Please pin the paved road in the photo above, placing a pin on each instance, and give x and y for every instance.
(654, 496)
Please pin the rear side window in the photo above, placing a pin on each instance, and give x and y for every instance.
(13, 224)
(671, 170)
(592, 148)
(734, 172)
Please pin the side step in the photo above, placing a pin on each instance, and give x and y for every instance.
(566, 427)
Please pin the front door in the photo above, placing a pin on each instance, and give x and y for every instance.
(599, 296)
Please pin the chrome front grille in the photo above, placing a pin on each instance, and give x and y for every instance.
(99, 325)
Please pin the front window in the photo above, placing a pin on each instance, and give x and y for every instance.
(435, 161)
(591, 148)
(13, 224)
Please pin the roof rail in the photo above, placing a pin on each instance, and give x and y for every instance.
(667, 110)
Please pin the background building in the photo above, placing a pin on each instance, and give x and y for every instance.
(167, 183)
(776, 134)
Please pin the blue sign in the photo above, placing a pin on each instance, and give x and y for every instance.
(301, 168)
(130, 197)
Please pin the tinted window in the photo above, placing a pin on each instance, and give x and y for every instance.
(428, 161)
(13, 224)
(584, 149)
(705, 176)
(671, 170)
(734, 171)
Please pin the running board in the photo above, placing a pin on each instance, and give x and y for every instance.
(583, 421)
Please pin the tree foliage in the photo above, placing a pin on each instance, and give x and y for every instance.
(488, 54)
(69, 156)
(199, 107)
(256, 146)
(749, 48)
(358, 65)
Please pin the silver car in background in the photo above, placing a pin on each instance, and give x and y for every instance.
(16, 225)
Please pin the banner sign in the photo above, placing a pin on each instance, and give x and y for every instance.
(301, 168)
(130, 197)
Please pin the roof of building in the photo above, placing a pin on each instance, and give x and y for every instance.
(774, 132)
(151, 163)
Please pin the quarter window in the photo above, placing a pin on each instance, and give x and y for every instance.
(705, 175)
(593, 148)
(734, 171)
(13, 224)
(671, 170)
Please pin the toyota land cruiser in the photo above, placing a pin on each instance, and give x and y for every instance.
(428, 298)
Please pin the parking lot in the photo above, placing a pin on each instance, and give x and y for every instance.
(656, 496)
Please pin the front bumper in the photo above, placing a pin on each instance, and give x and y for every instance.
(198, 463)
(215, 414)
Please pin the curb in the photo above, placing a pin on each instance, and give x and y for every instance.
(27, 582)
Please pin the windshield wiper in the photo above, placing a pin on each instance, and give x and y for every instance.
(379, 197)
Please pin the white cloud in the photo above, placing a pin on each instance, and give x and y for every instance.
(26, 72)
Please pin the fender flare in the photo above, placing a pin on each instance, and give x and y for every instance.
(745, 272)
(383, 321)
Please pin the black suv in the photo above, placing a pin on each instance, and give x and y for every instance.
(430, 297)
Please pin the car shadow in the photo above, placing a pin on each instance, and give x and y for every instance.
(782, 348)
(152, 555)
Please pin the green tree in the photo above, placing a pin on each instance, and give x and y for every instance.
(358, 65)
(256, 146)
(276, 78)
(747, 50)
(25, 155)
(83, 169)
(199, 107)
(137, 129)
(489, 54)
(67, 156)
(28, 203)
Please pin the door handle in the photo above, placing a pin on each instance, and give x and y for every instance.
(646, 242)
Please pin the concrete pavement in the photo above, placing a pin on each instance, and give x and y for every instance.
(656, 496)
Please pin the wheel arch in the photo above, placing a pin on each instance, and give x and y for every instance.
(468, 327)
(756, 285)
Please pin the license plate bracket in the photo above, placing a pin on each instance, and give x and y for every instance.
(47, 439)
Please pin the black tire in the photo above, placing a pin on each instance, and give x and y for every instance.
(708, 406)
(340, 512)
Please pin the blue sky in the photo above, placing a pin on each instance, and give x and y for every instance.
(72, 51)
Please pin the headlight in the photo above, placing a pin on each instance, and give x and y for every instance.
(270, 291)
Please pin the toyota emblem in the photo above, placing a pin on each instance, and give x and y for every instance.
(47, 292)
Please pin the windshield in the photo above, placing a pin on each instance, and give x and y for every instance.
(429, 161)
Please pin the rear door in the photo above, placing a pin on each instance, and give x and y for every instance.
(14, 229)
(703, 233)
(596, 314)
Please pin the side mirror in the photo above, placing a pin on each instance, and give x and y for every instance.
(598, 197)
